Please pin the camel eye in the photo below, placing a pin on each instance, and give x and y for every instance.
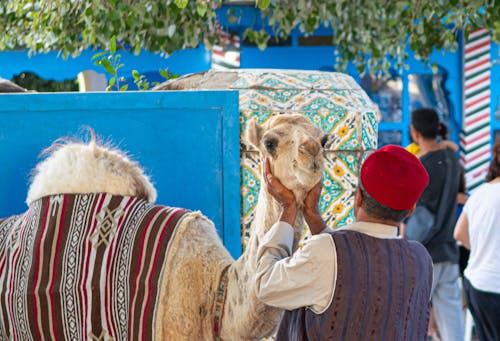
(270, 145)
(324, 140)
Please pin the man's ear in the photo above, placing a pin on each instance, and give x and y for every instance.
(414, 133)
(253, 133)
(358, 201)
(358, 198)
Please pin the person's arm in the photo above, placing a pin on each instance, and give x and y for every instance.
(461, 232)
(462, 198)
(304, 279)
(449, 144)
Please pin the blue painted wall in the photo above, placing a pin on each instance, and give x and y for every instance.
(188, 143)
(52, 66)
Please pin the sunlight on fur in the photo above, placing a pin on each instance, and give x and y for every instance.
(80, 167)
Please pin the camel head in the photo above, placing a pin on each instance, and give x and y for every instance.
(295, 149)
(78, 167)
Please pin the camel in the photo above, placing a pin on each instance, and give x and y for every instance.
(197, 265)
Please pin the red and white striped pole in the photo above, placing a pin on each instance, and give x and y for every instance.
(475, 138)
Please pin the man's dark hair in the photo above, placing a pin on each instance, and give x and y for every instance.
(426, 122)
(379, 211)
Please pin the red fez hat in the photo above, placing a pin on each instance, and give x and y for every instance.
(394, 177)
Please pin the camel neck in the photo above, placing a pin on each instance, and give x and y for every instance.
(259, 320)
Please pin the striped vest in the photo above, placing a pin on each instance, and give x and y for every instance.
(382, 292)
(83, 267)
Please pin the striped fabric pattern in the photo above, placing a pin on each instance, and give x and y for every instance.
(475, 138)
(84, 267)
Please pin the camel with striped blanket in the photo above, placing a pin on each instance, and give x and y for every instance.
(95, 258)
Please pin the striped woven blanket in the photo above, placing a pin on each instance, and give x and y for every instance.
(83, 267)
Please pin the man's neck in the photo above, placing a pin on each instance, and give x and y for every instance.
(362, 216)
(427, 145)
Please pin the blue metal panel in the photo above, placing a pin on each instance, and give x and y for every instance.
(495, 89)
(187, 141)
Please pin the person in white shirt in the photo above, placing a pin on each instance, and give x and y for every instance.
(360, 281)
(478, 229)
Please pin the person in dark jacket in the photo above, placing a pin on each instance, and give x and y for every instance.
(360, 282)
(440, 199)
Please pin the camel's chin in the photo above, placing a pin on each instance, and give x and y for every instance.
(309, 180)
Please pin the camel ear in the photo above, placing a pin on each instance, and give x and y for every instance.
(253, 133)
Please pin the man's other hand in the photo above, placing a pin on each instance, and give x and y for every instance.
(311, 211)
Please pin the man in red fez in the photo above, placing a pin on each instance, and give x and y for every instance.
(359, 282)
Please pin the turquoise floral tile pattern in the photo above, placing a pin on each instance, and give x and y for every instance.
(303, 100)
(341, 171)
(249, 190)
(293, 79)
(340, 209)
(369, 130)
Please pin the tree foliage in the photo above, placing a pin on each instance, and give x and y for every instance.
(74, 25)
(368, 33)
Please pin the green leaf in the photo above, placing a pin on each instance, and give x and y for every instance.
(112, 81)
(181, 3)
(112, 45)
(124, 87)
(99, 54)
(106, 64)
(136, 75)
(434, 68)
(263, 4)
(164, 73)
(201, 8)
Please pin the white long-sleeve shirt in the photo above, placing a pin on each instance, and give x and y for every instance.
(306, 278)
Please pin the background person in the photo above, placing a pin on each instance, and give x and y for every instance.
(478, 229)
(439, 200)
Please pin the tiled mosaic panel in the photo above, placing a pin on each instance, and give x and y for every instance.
(293, 80)
(341, 171)
(369, 130)
(336, 203)
(341, 126)
(304, 100)
(249, 191)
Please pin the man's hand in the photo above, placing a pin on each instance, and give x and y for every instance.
(283, 195)
(311, 212)
(312, 199)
